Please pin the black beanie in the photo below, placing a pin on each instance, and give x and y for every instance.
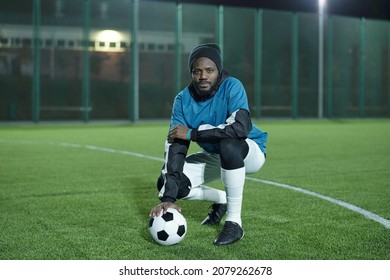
(208, 50)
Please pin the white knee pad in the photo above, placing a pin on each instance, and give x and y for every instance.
(255, 157)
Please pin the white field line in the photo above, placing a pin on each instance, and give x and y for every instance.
(109, 150)
(354, 208)
(349, 206)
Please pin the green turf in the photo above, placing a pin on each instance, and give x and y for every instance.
(72, 202)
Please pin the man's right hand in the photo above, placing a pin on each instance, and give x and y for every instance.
(164, 206)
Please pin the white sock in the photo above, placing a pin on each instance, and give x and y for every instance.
(206, 193)
(234, 181)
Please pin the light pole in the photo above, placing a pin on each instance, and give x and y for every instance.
(321, 7)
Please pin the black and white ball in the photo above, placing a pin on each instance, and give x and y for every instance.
(169, 228)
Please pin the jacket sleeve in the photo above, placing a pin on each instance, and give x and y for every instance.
(175, 154)
(238, 126)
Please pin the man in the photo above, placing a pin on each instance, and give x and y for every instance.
(212, 111)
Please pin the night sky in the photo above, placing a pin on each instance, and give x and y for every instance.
(372, 9)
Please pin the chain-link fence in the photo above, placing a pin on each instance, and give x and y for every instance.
(127, 59)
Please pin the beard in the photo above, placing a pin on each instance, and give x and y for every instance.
(205, 89)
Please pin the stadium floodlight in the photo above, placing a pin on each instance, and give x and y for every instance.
(321, 7)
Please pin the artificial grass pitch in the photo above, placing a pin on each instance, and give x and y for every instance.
(72, 192)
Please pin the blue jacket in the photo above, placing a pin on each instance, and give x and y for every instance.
(225, 114)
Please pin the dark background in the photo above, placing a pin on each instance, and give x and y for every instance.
(379, 9)
(373, 9)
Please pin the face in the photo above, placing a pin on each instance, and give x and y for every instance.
(204, 75)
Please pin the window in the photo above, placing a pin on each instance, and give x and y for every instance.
(151, 47)
(15, 41)
(61, 43)
(3, 40)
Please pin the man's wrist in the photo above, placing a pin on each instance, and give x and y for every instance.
(166, 199)
(188, 135)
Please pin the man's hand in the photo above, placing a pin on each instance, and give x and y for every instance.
(156, 211)
(177, 131)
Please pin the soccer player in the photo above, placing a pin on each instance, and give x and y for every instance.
(212, 111)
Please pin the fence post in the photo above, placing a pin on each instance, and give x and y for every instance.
(388, 73)
(329, 84)
(134, 91)
(36, 75)
(178, 46)
(86, 61)
(321, 61)
(220, 26)
(294, 67)
(258, 60)
(362, 67)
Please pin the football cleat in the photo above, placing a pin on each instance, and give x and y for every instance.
(216, 214)
(230, 233)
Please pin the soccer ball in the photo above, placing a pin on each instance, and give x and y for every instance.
(169, 228)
